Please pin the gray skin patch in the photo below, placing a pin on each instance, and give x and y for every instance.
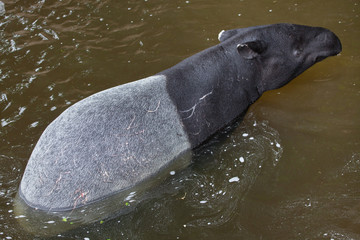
(103, 144)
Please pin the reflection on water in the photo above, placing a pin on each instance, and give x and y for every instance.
(326, 213)
(290, 170)
(224, 171)
(42, 223)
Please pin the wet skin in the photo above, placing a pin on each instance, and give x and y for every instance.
(122, 136)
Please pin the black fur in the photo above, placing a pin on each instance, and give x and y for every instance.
(213, 87)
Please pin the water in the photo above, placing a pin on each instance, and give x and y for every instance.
(289, 170)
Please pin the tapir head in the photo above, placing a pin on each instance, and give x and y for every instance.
(281, 51)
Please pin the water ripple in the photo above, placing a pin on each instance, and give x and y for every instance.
(253, 147)
(212, 189)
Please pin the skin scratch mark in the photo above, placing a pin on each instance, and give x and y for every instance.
(192, 109)
(57, 182)
(127, 135)
(132, 121)
(203, 97)
(82, 195)
(151, 111)
(196, 133)
(105, 174)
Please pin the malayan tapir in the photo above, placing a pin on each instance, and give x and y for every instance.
(119, 137)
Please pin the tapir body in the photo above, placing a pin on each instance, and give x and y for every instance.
(117, 138)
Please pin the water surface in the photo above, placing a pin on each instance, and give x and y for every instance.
(289, 170)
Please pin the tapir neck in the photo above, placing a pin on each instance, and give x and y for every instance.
(210, 90)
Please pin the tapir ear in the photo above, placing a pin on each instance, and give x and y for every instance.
(250, 50)
(223, 35)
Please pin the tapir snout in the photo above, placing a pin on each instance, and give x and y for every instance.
(326, 44)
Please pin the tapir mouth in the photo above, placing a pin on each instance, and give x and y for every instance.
(319, 58)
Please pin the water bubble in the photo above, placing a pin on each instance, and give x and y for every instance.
(234, 179)
(2, 8)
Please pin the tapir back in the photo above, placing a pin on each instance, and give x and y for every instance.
(103, 144)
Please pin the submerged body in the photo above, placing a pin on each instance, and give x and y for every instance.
(122, 136)
(110, 141)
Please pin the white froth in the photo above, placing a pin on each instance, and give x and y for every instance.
(234, 179)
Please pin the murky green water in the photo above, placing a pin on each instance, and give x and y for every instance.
(290, 170)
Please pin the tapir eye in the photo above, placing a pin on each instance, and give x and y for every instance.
(297, 52)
